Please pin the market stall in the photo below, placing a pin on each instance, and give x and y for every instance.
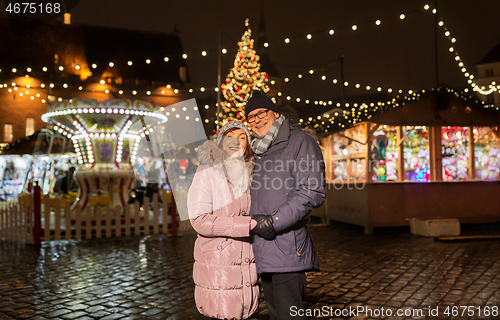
(32, 159)
(435, 156)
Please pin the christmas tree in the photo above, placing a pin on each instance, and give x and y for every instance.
(242, 79)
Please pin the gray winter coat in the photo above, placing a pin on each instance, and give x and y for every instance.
(288, 182)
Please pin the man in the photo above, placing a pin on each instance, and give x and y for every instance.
(68, 183)
(288, 182)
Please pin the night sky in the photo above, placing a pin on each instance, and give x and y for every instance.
(397, 54)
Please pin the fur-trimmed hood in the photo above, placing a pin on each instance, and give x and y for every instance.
(237, 171)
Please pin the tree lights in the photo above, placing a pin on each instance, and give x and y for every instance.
(242, 79)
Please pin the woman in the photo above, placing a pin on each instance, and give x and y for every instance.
(218, 204)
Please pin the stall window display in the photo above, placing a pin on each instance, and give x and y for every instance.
(348, 155)
(384, 154)
(486, 153)
(348, 159)
(49, 170)
(13, 170)
(455, 153)
(17, 170)
(416, 154)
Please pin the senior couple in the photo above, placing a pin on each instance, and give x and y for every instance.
(250, 212)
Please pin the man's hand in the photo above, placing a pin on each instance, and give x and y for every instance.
(264, 226)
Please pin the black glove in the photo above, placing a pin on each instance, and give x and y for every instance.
(264, 226)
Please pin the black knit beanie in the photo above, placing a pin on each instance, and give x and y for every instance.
(258, 100)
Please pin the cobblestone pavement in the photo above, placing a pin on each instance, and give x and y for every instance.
(149, 277)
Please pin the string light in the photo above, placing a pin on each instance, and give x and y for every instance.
(484, 90)
(492, 87)
(287, 40)
(488, 90)
(363, 111)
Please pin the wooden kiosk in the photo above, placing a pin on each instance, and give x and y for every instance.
(436, 156)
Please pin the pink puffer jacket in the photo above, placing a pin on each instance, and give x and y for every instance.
(224, 270)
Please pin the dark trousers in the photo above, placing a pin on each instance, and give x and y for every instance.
(284, 292)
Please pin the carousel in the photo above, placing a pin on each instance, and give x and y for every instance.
(106, 136)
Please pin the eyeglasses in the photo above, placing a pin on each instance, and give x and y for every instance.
(261, 115)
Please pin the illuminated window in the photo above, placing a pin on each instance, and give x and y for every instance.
(348, 155)
(7, 133)
(30, 126)
(110, 80)
(486, 154)
(455, 153)
(416, 154)
(384, 154)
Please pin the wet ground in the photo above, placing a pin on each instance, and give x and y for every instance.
(149, 277)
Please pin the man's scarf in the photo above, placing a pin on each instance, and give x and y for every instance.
(261, 144)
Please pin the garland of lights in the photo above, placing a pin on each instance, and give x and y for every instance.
(363, 112)
(316, 122)
(361, 105)
(481, 90)
(492, 87)
(205, 53)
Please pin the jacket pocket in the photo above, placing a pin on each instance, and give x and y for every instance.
(216, 244)
(301, 236)
(286, 242)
